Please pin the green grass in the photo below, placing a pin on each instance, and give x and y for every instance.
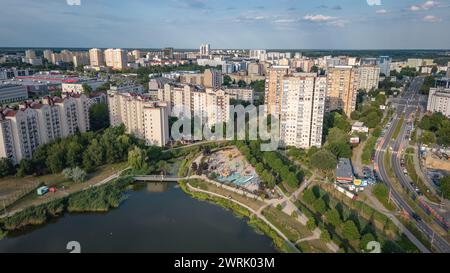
(368, 149)
(290, 227)
(381, 192)
(417, 180)
(398, 127)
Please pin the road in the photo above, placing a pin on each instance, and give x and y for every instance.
(407, 105)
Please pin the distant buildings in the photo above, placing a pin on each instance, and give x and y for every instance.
(36, 123)
(439, 101)
(116, 58)
(96, 57)
(211, 78)
(12, 92)
(342, 88)
(243, 94)
(145, 119)
(78, 86)
(384, 62)
(369, 76)
(204, 49)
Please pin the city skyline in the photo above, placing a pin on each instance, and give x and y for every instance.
(362, 24)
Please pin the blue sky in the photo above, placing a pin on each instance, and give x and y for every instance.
(307, 24)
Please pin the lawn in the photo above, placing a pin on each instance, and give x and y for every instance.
(287, 224)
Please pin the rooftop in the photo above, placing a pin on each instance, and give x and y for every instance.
(344, 169)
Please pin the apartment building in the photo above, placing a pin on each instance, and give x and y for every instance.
(205, 49)
(212, 78)
(369, 76)
(342, 88)
(96, 57)
(12, 92)
(80, 59)
(116, 58)
(274, 88)
(146, 119)
(302, 111)
(439, 101)
(36, 123)
(211, 106)
(243, 94)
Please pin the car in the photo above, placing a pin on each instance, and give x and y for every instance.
(416, 217)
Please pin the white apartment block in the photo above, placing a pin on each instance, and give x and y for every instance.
(145, 119)
(12, 93)
(205, 49)
(369, 76)
(303, 105)
(211, 106)
(439, 101)
(36, 123)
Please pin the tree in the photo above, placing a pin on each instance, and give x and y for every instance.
(194, 167)
(99, 116)
(78, 175)
(163, 166)
(350, 231)
(365, 239)
(333, 217)
(87, 89)
(74, 154)
(55, 159)
(320, 206)
(324, 160)
(25, 167)
(6, 167)
(445, 187)
(428, 138)
(226, 80)
(137, 159)
(325, 235)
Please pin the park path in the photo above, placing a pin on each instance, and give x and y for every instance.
(256, 213)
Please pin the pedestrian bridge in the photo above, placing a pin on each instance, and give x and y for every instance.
(157, 178)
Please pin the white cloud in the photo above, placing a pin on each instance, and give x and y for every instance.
(431, 19)
(381, 11)
(73, 2)
(324, 19)
(425, 6)
(374, 2)
(318, 18)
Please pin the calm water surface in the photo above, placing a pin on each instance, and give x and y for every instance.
(154, 218)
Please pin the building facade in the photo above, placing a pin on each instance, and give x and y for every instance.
(303, 106)
(342, 88)
(439, 101)
(145, 119)
(274, 88)
(36, 123)
(369, 76)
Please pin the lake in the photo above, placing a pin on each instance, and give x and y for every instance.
(155, 217)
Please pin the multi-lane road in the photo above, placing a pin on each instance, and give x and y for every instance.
(407, 105)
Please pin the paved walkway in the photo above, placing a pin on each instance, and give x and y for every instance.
(256, 213)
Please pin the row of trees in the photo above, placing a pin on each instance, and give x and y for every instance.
(344, 222)
(270, 166)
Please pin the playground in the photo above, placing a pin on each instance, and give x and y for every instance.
(230, 167)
